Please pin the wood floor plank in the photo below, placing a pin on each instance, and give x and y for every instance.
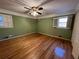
(34, 46)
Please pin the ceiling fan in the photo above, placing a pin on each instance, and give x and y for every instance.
(34, 11)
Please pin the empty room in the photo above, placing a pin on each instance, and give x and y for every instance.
(39, 29)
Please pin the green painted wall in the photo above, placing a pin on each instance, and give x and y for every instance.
(22, 25)
(45, 26)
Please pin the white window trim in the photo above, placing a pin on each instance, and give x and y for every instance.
(10, 19)
(56, 26)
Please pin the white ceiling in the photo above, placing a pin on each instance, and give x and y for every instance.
(51, 7)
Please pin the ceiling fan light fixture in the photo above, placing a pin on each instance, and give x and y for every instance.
(34, 13)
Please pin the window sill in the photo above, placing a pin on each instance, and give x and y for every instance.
(61, 28)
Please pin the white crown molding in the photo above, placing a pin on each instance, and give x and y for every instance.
(54, 15)
(13, 13)
(24, 15)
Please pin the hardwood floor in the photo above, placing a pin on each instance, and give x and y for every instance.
(34, 46)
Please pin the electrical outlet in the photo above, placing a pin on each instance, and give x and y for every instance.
(10, 35)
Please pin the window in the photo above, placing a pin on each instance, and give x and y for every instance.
(62, 22)
(1, 21)
(6, 21)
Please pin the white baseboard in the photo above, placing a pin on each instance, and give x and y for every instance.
(17, 36)
(53, 36)
(32, 33)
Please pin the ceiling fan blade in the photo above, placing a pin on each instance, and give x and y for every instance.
(39, 13)
(27, 11)
(27, 8)
(47, 1)
(40, 8)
